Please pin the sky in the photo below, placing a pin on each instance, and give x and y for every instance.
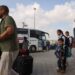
(50, 15)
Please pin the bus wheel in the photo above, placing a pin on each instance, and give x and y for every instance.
(33, 49)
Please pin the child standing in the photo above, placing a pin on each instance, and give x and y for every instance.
(61, 51)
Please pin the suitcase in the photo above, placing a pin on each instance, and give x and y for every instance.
(23, 65)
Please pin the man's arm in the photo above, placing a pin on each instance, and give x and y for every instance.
(6, 34)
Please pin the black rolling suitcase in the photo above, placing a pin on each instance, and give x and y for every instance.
(23, 65)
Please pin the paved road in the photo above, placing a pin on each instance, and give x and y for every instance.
(45, 64)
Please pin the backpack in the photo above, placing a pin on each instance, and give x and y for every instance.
(67, 41)
(68, 52)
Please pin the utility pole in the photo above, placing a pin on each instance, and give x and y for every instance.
(34, 17)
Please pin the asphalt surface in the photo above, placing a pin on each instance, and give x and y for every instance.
(45, 63)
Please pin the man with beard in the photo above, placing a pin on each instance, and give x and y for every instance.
(8, 42)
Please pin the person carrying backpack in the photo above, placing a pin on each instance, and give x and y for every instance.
(70, 38)
(66, 41)
(60, 53)
(61, 35)
(65, 38)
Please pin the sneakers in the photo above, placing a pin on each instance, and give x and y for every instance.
(58, 70)
(61, 71)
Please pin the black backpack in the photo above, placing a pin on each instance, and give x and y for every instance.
(67, 41)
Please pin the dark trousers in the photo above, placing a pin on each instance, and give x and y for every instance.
(62, 64)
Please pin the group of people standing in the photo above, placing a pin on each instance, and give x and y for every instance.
(63, 50)
(9, 44)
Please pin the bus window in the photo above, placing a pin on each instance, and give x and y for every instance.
(43, 38)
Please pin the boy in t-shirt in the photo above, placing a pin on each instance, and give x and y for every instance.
(61, 53)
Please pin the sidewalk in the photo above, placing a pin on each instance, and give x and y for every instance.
(45, 64)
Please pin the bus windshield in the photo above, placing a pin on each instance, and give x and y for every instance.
(37, 34)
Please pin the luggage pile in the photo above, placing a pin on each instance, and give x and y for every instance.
(24, 63)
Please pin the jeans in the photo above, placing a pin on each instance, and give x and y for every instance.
(62, 64)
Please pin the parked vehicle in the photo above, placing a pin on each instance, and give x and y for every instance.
(53, 46)
(37, 39)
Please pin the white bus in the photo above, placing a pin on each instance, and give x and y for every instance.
(37, 39)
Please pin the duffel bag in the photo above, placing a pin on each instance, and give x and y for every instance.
(23, 65)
